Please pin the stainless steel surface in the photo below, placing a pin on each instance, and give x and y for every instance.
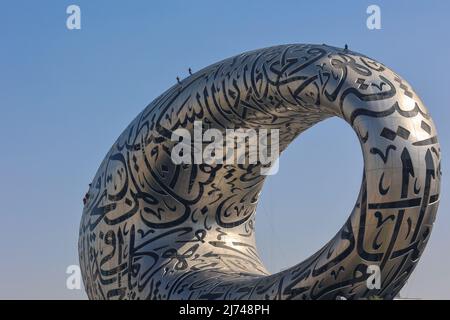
(155, 230)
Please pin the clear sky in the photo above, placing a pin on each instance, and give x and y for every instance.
(66, 95)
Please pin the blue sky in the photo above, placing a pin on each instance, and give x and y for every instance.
(66, 96)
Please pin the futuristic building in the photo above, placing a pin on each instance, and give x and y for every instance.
(156, 229)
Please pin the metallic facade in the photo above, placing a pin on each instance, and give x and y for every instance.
(155, 230)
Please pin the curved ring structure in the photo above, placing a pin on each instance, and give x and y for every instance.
(153, 229)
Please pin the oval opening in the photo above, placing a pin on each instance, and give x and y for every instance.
(303, 205)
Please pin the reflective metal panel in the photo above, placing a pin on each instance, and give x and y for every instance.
(153, 229)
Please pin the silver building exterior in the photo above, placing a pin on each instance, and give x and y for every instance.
(153, 229)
